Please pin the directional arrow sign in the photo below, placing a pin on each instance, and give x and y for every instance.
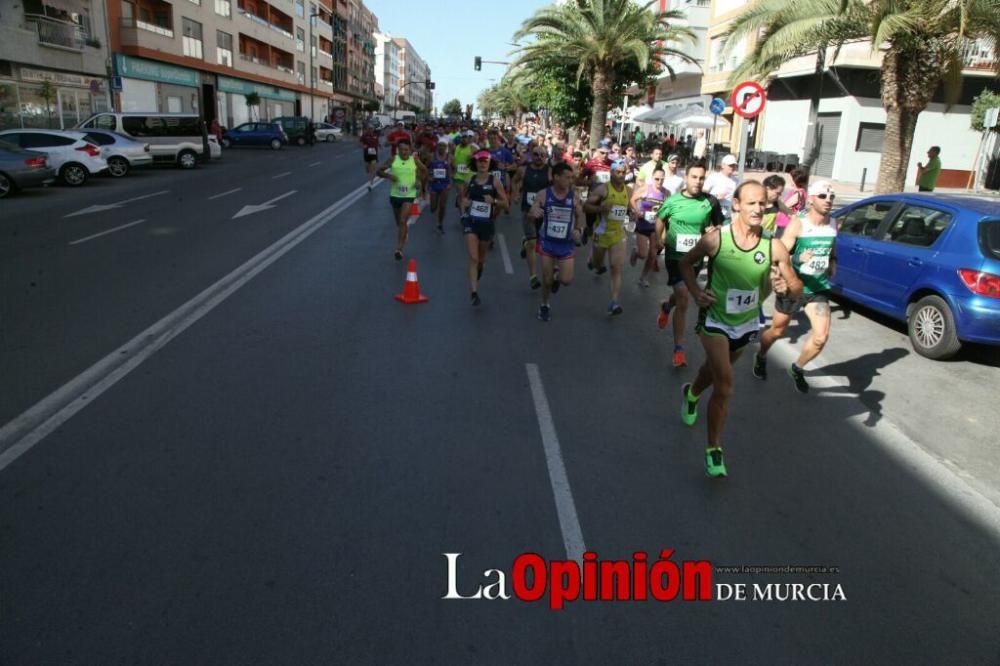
(748, 99)
(250, 210)
(118, 204)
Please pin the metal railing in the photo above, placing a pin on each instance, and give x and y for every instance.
(57, 33)
(978, 54)
(142, 25)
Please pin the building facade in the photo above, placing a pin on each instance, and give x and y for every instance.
(53, 62)
(846, 142)
(387, 69)
(413, 73)
(685, 88)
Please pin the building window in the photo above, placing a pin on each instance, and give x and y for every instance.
(224, 48)
(300, 8)
(312, 81)
(300, 69)
(192, 38)
(223, 8)
(195, 2)
(313, 42)
(300, 39)
(870, 137)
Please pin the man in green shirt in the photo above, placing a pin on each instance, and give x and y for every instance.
(742, 261)
(927, 175)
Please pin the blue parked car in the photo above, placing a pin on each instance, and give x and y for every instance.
(930, 260)
(255, 134)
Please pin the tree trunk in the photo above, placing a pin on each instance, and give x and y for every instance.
(900, 124)
(811, 150)
(909, 79)
(599, 114)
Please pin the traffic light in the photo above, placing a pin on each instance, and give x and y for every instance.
(429, 85)
(479, 63)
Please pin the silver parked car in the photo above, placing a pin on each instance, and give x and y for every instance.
(21, 168)
(122, 152)
(327, 132)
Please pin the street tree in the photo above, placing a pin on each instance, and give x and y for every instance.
(452, 107)
(599, 37)
(920, 42)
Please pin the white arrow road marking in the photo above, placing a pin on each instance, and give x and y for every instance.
(118, 204)
(105, 233)
(250, 210)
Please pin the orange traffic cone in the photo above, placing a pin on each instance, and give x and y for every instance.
(414, 214)
(411, 290)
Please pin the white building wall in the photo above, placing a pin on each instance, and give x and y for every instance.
(785, 123)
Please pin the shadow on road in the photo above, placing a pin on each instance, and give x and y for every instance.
(860, 372)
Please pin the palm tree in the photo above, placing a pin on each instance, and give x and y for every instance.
(600, 36)
(921, 43)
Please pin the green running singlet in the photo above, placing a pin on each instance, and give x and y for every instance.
(688, 218)
(819, 238)
(736, 279)
(406, 173)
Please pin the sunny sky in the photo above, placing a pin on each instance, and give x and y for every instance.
(440, 32)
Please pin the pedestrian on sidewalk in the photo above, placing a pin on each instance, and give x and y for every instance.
(927, 176)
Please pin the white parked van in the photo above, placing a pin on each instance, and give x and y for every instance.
(172, 137)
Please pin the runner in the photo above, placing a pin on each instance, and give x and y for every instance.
(685, 216)
(403, 169)
(672, 180)
(531, 179)
(482, 196)
(561, 214)
(774, 185)
(398, 134)
(598, 171)
(646, 201)
(740, 260)
(646, 170)
(440, 172)
(461, 158)
(811, 239)
(722, 184)
(504, 162)
(796, 199)
(369, 151)
(611, 201)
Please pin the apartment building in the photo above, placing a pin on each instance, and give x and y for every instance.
(362, 26)
(387, 69)
(847, 138)
(210, 55)
(413, 73)
(53, 62)
(685, 88)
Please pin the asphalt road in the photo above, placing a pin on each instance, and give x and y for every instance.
(279, 482)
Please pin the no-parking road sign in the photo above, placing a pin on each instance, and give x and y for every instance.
(748, 99)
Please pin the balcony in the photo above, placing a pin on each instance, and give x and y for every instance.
(978, 55)
(266, 17)
(60, 34)
(135, 32)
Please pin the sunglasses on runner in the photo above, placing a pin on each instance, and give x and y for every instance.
(831, 195)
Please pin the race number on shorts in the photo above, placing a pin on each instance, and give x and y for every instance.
(440, 174)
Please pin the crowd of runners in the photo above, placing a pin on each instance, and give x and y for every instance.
(638, 202)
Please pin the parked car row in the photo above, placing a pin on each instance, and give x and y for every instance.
(109, 142)
(279, 132)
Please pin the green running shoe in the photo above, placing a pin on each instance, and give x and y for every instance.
(689, 408)
(715, 467)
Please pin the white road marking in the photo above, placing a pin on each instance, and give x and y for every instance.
(565, 507)
(226, 193)
(899, 447)
(281, 175)
(31, 427)
(105, 233)
(507, 266)
(315, 164)
(250, 209)
(118, 204)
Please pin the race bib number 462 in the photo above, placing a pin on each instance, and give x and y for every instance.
(480, 210)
